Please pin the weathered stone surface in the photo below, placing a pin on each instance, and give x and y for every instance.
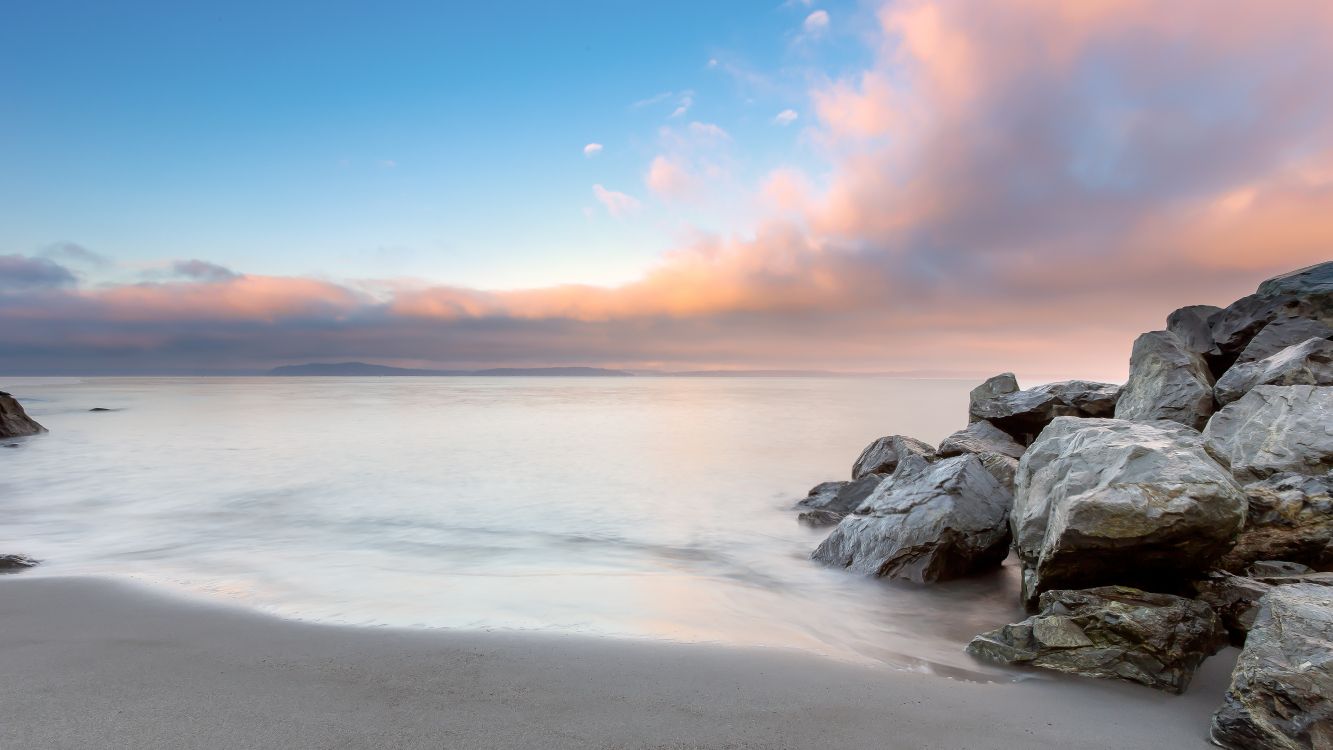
(1290, 517)
(15, 563)
(1114, 632)
(841, 497)
(1280, 688)
(994, 387)
(1262, 568)
(1279, 335)
(1309, 362)
(928, 522)
(1166, 381)
(1002, 467)
(1236, 598)
(14, 422)
(1305, 282)
(1274, 429)
(1305, 293)
(1191, 326)
(981, 437)
(818, 519)
(1023, 414)
(1103, 501)
(883, 455)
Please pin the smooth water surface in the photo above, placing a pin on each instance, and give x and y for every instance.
(640, 507)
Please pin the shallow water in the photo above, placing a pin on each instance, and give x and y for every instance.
(638, 507)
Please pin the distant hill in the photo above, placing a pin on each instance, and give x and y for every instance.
(363, 369)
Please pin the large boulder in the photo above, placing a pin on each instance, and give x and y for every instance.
(981, 437)
(1290, 517)
(1274, 429)
(1280, 688)
(928, 522)
(883, 455)
(1103, 501)
(14, 422)
(1305, 293)
(841, 497)
(1023, 414)
(1312, 281)
(1309, 362)
(1192, 326)
(1236, 599)
(994, 387)
(1115, 632)
(1279, 335)
(1166, 381)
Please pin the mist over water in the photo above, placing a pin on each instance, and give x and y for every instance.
(639, 507)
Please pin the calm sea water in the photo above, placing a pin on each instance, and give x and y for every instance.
(639, 507)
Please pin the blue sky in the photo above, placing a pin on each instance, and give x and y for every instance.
(441, 141)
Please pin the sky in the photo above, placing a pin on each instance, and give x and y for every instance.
(934, 187)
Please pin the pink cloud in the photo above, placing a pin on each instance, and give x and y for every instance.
(616, 203)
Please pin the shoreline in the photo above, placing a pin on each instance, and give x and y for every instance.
(102, 662)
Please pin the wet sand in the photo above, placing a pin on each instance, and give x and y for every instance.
(103, 663)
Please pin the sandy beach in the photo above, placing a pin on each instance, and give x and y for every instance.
(103, 663)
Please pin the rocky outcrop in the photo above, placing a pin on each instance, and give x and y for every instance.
(1102, 501)
(1166, 381)
(981, 437)
(1191, 325)
(1274, 429)
(838, 498)
(883, 455)
(1310, 282)
(1290, 517)
(14, 422)
(1113, 632)
(1280, 688)
(15, 563)
(1023, 414)
(1236, 599)
(927, 522)
(994, 387)
(1279, 335)
(1309, 362)
(1306, 293)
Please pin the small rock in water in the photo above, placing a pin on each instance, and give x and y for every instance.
(817, 519)
(1114, 632)
(100, 408)
(15, 563)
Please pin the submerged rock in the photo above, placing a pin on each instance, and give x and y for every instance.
(1166, 381)
(1280, 688)
(14, 422)
(1274, 429)
(1309, 362)
(1113, 632)
(1103, 501)
(1191, 326)
(1289, 517)
(883, 455)
(928, 522)
(16, 563)
(1023, 414)
(841, 497)
(818, 519)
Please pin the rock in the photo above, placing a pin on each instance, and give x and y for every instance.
(1274, 429)
(1023, 414)
(1114, 632)
(841, 497)
(1191, 326)
(1236, 598)
(928, 522)
(1002, 467)
(819, 518)
(1166, 381)
(1103, 501)
(16, 563)
(1305, 293)
(100, 408)
(981, 437)
(1309, 362)
(1262, 568)
(1310, 281)
(1280, 688)
(1290, 517)
(882, 456)
(14, 422)
(1279, 335)
(994, 387)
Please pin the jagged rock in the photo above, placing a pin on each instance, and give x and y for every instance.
(1305, 282)
(841, 497)
(16, 563)
(1305, 293)
(1264, 568)
(1236, 598)
(1191, 326)
(1279, 335)
(1309, 362)
(1114, 632)
(1274, 429)
(1023, 414)
(1280, 688)
(1103, 501)
(994, 387)
(1166, 381)
(883, 455)
(1290, 517)
(14, 422)
(981, 437)
(1002, 467)
(818, 519)
(928, 522)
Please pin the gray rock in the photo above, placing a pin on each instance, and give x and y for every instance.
(1305, 293)
(1263, 568)
(1279, 335)
(841, 497)
(928, 522)
(1102, 501)
(1309, 362)
(1113, 632)
(1023, 414)
(1002, 467)
(1274, 429)
(818, 519)
(1305, 282)
(1236, 598)
(999, 385)
(883, 455)
(1191, 326)
(16, 563)
(14, 422)
(1280, 688)
(1290, 517)
(1166, 381)
(981, 437)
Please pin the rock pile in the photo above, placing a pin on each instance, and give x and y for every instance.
(14, 422)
